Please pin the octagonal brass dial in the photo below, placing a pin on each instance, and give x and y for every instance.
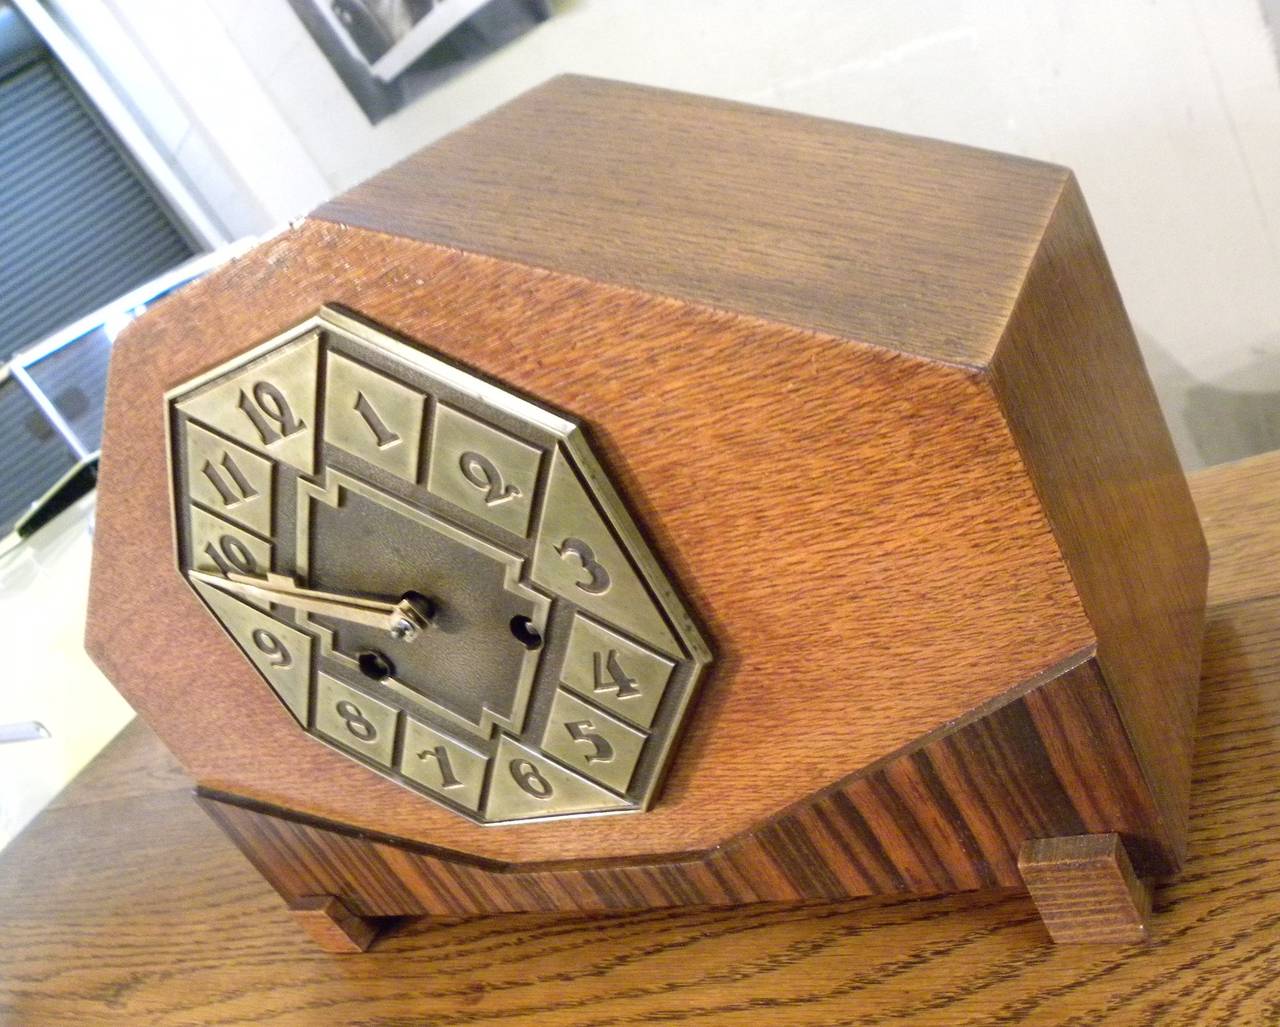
(432, 574)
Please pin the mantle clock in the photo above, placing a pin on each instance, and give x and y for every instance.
(640, 500)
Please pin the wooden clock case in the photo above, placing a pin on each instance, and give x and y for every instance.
(875, 401)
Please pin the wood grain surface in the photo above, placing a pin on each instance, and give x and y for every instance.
(126, 904)
(894, 559)
(331, 925)
(1233, 500)
(1082, 408)
(949, 815)
(1085, 889)
(907, 243)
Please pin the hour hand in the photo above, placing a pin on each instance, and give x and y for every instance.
(402, 620)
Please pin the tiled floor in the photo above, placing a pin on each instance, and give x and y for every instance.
(47, 677)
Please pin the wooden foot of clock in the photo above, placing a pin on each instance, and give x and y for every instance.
(332, 925)
(639, 500)
(1085, 888)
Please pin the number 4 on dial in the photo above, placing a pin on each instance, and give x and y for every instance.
(617, 680)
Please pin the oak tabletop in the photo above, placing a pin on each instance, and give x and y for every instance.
(123, 902)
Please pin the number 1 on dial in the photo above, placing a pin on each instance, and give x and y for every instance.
(382, 435)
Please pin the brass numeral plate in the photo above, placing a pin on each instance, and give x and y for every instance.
(432, 574)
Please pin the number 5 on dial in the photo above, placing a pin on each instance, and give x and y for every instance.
(592, 742)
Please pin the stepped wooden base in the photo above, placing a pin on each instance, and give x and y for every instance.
(1086, 890)
(332, 925)
(343, 884)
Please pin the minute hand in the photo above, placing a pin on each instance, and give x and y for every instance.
(279, 588)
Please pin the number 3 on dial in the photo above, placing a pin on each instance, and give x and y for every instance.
(598, 580)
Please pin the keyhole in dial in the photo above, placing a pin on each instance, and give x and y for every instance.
(375, 665)
(526, 632)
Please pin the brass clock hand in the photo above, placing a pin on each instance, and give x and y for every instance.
(402, 620)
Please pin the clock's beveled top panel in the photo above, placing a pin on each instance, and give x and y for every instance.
(544, 663)
(899, 241)
(878, 496)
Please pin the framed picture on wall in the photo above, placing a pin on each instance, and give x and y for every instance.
(389, 52)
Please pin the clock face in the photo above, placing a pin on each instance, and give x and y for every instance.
(433, 575)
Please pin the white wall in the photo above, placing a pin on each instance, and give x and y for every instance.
(48, 677)
(1168, 110)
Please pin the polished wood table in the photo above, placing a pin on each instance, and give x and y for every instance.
(122, 901)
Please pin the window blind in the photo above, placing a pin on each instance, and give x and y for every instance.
(78, 225)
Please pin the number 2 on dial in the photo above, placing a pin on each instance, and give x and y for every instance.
(480, 471)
